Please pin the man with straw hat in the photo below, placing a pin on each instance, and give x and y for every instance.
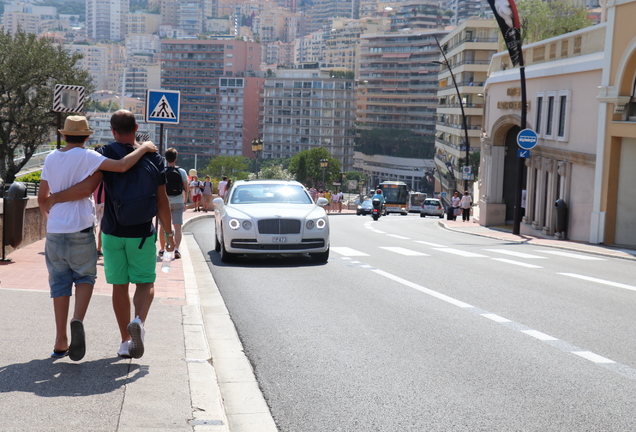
(70, 251)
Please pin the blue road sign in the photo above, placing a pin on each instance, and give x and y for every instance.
(527, 139)
(162, 106)
(523, 153)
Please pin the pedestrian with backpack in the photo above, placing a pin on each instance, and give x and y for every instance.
(176, 188)
(133, 199)
(207, 193)
(195, 190)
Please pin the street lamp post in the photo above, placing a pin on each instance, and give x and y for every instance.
(461, 106)
(257, 148)
(324, 163)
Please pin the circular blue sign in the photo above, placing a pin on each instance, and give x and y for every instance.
(527, 139)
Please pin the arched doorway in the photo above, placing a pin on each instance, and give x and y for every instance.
(511, 163)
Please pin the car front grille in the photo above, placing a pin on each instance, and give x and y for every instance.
(252, 244)
(279, 226)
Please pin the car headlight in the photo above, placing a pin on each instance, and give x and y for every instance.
(319, 223)
(247, 225)
(234, 224)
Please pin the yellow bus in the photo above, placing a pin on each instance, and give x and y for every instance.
(396, 196)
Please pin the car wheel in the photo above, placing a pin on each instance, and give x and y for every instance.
(226, 257)
(422, 214)
(217, 245)
(320, 257)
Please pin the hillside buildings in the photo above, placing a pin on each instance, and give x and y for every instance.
(305, 109)
(468, 49)
(105, 20)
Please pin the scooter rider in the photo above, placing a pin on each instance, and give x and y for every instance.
(380, 196)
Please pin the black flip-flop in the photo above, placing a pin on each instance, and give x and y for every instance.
(58, 354)
(77, 349)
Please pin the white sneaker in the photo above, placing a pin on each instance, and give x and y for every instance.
(137, 334)
(123, 350)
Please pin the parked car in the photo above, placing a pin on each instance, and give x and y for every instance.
(432, 207)
(364, 208)
(270, 217)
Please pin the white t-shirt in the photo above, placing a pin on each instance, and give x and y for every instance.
(222, 185)
(195, 184)
(63, 169)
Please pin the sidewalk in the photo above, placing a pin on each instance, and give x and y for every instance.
(187, 380)
(194, 375)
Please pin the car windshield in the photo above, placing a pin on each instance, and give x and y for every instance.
(431, 202)
(269, 194)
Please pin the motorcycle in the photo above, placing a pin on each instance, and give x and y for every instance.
(378, 209)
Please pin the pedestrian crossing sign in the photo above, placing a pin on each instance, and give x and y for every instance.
(162, 106)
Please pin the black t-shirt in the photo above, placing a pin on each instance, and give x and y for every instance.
(109, 221)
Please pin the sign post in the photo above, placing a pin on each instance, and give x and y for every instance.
(162, 106)
(67, 98)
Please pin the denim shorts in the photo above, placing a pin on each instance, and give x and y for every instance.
(70, 258)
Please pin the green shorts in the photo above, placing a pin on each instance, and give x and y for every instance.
(125, 262)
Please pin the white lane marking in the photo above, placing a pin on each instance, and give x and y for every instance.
(516, 254)
(399, 236)
(539, 335)
(428, 291)
(522, 264)
(461, 252)
(348, 252)
(572, 255)
(496, 318)
(601, 281)
(402, 251)
(429, 243)
(618, 368)
(377, 231)
(593, 357)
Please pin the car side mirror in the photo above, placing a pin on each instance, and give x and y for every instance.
(322, 201)
(218, 203)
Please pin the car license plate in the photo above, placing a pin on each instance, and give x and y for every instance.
(279, 239)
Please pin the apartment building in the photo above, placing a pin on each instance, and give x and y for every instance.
(106, 20)
(305, 109)
(142, 23)
(397, 87)
(320, 13)
(102, 61)
(342, 42)
(219, 81)
(468, 50)
(29, 18)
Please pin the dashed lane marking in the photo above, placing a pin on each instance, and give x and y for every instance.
(601, 281)
(429, 243)
(515, 254)
(403, 251)
(572, 255)
(460, 252)
(522, 264)
(611, 365)
(399, 237)
(345, 251)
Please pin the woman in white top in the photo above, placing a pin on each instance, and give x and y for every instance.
(195, 189)
(455, 200)
(465, 203)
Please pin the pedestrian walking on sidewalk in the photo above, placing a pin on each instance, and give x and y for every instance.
(128, 232)
(207, 193)
(455, 200)
(177, 190)
(70, 249)
(466, 203)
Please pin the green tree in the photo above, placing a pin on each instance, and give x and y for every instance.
(273, 172)
(395, 142)
(542, 20)
(235, 167)
(309, 162)
(29, 69)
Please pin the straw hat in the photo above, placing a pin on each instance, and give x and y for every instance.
(76, 126)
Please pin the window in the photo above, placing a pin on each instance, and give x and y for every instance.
(564, 113)
(537, 120)
(549, 114)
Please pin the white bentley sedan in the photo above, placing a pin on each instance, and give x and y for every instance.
(270, 217)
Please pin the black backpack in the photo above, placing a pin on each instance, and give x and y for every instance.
(174, 186)
(134, 193)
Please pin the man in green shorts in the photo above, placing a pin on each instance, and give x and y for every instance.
(129, 250)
